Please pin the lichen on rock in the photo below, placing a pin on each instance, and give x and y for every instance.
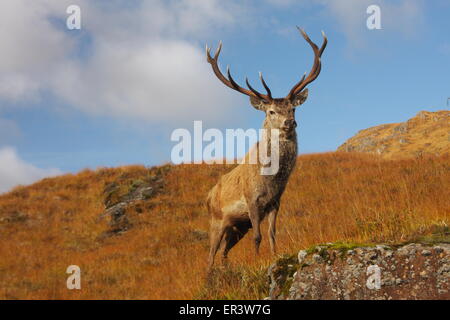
(340, 271)
(126, 192)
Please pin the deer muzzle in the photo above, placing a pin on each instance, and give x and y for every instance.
(289, 124)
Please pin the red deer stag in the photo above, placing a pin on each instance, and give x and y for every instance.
(243, 197)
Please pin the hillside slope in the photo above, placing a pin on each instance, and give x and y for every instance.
(142, 233)
(426, 133)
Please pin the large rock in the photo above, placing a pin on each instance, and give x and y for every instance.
(413, 271)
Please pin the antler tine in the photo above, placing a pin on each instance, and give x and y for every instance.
(306, 37)
(219, 48)
(324, 44)
(216, 55)
(315, 70)
(269, 93)
(230, 78)
(230, 81)
(253, 90)
(292, 92)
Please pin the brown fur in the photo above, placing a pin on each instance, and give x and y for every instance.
(243, 197)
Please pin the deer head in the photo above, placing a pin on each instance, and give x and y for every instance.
(280, 112)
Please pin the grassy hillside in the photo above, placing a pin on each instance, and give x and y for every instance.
(162, 251)
(426, 133)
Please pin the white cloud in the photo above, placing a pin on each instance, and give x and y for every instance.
(144, 59)
(14, 171)
(31, 47)
(162, 81)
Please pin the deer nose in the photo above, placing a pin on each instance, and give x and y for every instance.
(290, 123)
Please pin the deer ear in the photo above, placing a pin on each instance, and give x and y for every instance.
(258, 103)
(300, 98)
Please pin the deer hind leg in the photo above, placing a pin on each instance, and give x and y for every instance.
(232, 237)
(272, 229)
(217, 232)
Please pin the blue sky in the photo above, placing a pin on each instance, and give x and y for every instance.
(111, 93)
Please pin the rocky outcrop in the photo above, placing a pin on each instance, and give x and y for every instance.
(337, 271)
(125, 193)
(428, 133)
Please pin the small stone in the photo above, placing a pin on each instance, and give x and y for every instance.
(317, 258)
(388, 281)
(426, 253)
(371, 256)
(302, 255)
(438, 249)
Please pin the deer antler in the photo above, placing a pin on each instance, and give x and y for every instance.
(315, 71)
(230, 81)
(298, 87)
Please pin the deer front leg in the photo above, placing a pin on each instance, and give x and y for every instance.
(256, 223)
(272, 229)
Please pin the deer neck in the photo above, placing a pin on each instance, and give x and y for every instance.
(287, 146)
(284, 137)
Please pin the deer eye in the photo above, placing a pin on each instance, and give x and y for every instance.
(271, 112)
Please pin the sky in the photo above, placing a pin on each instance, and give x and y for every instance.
(112, 92)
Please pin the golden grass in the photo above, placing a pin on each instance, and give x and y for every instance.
(330, 197)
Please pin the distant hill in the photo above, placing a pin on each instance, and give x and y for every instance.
(426, 133)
